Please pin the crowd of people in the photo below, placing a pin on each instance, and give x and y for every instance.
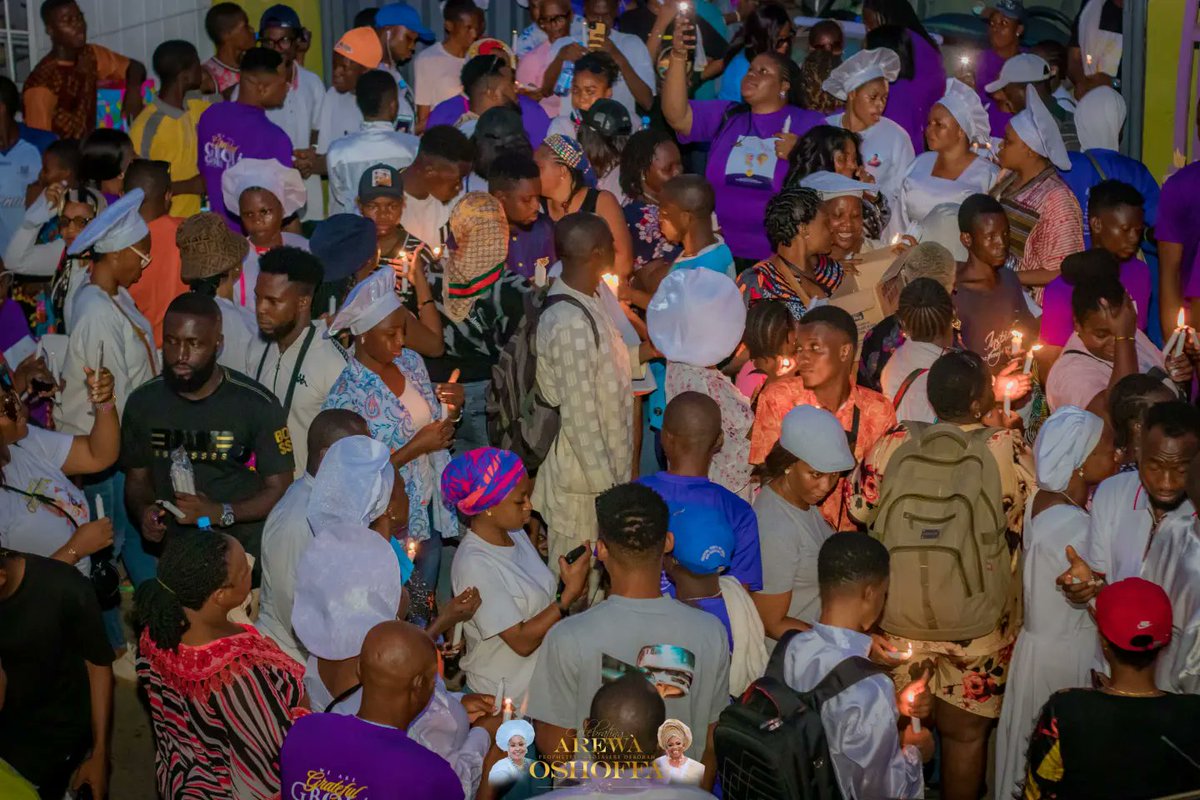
(509, 418)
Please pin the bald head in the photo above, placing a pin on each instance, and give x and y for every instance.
(331, 425)
(397, 669)
(691, 415)
(584, 241)
(691, 193)
(631, 706)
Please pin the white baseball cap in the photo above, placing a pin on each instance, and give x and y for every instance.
(1021, 68)
(815, 436)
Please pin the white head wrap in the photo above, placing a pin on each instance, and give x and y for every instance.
(1099, 117)
(114, 228)
(1067, 438)
(696, 317)
(264, 173)
(347, 581)
(674, 727)
(863, 66)
(353, 485)
(368, 303)
(514, 727)
(964, 105)
(941, 225)
(1037, 129)
(833, 184)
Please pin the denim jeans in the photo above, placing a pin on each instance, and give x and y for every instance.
(472, 430)
(127, 544)
(428, 562)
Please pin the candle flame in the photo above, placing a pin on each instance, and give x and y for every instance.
(611, 279)
(1036, 347)
(965, 60)
(896, 239)
(437, 252)
(411, 549)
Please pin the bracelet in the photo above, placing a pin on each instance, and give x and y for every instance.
(424, 303)
(106, 405)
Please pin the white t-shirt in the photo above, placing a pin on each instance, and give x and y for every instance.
(19, 167)
(240, 330)
(887, 151)
(426, 219)
(436, 75)
(299, 116)
(30, 525)
(514, 585)
(340, 116)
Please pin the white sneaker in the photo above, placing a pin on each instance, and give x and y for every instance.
(123, 668)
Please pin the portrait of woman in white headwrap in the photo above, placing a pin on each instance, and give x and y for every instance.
(951, 170)
(514, 737)
(1074, 452)
(674, 738)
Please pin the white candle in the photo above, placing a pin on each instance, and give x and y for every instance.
(1175, 335)
(1029, 357)
(1195, 339)
(508, 709)
(514, 40)
(332, 308)
(1180, 342)
(99, 507)
(787, 123)
(1008, 390)
(540, 278)
(458, 630)
(1015, 342)
(916, 724)
(499, 698)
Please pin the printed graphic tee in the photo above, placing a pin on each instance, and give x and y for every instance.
(229, 132)
(333, 756)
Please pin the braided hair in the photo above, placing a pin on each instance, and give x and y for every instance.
(636, 159)
(787, 211)
(192, 567)
(633, 518)
(925, 310)
(768, 324)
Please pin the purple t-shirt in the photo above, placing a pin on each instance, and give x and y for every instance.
(742, 204)
(227, 133)
(988, 69)
(533, 116)
(1057, 320)
(381, 763)
(1179, 222)
(910, 99)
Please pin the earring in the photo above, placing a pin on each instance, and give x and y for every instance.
(362, 340)
(488, 512)
(782, 95)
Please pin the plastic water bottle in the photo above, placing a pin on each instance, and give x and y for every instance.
(204, 524)
(562, 87)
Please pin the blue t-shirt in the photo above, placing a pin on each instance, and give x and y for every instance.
(716, 257)
(679, 490)
(36, 136)
(731, 79)
(1083, 175)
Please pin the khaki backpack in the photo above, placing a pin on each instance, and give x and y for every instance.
(941, 516)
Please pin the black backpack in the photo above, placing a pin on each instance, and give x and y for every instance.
(518, 419)
(771, 743)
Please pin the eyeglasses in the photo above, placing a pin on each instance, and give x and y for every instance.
(79, 222)
(145, 258)
(276, 42)
(557, 19)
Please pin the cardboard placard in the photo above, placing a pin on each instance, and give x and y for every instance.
(873, 293)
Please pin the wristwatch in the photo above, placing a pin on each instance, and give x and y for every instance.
(227, 517)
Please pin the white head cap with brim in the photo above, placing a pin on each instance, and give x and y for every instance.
(697, 317)
(832, 184)
(368, 304)
(862, 67)
(1038, 130)
(115, 228)
(815, 436)
(263, 173)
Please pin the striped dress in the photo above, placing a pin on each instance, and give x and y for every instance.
(220, 713)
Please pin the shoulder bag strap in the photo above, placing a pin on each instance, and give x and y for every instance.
(908, 382)
(1096, 165)
(141, 334)
(287, 404)
(342, 697)
(44, 500)
(562, 298)
(843, 676)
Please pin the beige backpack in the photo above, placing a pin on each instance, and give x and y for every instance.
(941, 516)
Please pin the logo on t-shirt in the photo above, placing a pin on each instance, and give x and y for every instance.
(200, 445)
(319, 785)
(670, 668)
(221, 152)
(283, 439)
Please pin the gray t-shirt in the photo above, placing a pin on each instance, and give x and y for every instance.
(790, 540)
(685, 651)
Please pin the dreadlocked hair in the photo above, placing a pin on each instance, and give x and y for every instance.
(636, 159)
(768, 324)
(925, 310)
(192, 567)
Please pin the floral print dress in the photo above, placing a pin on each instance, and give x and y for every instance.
(360, 390)
(648, 241)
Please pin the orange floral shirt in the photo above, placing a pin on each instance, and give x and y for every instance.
(874, 413)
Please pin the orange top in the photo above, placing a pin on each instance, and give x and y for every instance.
(160, 283)
(41, 101)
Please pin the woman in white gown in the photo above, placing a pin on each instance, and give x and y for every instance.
(674, 737)
(949, 171)
(1057, 646)
(862, 82)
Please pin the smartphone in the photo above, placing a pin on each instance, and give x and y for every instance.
(597, 33)
(571, 558)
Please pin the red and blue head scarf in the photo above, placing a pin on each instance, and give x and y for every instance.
(479, 479)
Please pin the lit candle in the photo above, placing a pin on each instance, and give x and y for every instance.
(908, 651)
(1089, 59)
(508, 709)
(896, 239)
(965, 61)
(612, 280)
(1181, 322)
(437, 253)
(514, 40)
(1015, 342)
(458, 628)
(99, 507)
(683, 7)
(785, 366)
(407, 266)
(1175, 335)
(916, 721)
(1029, 357)
(411, 549)
(540, 278)
(1008, 390)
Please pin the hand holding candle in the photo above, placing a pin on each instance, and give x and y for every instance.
(508, 710)
(1008, 394)
(1014, 344)
(1029, 358)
